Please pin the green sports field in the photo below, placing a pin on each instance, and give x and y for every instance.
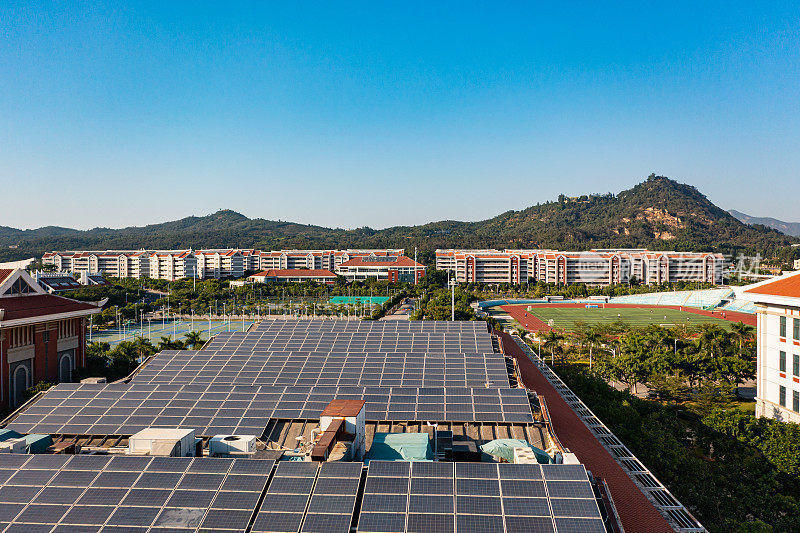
(565, 318)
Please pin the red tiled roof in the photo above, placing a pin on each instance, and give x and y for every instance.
(5, 273)
(398, 261)
(30, 306)
(343, 408)
(295, 273)
(788, 286)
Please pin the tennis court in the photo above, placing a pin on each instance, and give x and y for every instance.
(360, 300)
(156, 329)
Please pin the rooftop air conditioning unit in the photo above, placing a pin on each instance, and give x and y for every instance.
(163, 442)
(230, 444)
(18, 445)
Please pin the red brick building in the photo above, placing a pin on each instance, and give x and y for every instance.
(42, 336)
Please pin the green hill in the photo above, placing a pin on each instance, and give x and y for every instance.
(658, 213)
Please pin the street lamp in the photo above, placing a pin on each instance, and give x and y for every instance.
(453, 300)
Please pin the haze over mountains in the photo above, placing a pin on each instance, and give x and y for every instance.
(789, 228)
(658, 213)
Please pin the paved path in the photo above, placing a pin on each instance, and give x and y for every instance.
(635, 510)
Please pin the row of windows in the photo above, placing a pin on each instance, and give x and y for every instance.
(795, 363)
(795, 328)
(20, 336)
(67, 328)
(795, 399)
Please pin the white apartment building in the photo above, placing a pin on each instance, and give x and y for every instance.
(114, 263)
(778, 340)
(205, 264)
(595, 267)
(173, 265)
(216, 264)
(316, 259)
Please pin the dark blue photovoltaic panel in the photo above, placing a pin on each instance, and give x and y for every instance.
(83, 492)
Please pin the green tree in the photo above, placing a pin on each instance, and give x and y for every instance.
(193, 340)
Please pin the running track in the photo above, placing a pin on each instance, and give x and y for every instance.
(531, 323)
(635, 510)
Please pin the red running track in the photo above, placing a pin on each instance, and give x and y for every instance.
(531, 323)
(635, 510)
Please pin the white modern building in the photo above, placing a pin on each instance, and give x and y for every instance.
(204, 264)
(778, 361)
(173, 265)
(594, 267)
(317, 259)
(216, 264)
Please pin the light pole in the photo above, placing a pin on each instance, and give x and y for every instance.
(453, 300)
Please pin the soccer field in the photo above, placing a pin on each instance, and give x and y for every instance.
(565, 318)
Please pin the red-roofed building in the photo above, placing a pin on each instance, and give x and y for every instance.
(216, 264)
(42, 336)
(778, 339)
(382, 267)
(295, 275)
(593, 267)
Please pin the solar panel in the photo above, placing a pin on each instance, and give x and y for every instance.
(352, 368)
(245, 409)
(474, 497)
(82, 493)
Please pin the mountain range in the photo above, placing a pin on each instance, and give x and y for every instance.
(788, 228)
(658, 213)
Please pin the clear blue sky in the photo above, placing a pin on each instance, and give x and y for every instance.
(382, 113)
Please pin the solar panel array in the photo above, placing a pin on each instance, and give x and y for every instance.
(442, 497)
(92, 493)
(357, 336)
(322, 368)
(126, 408)
(304, 498)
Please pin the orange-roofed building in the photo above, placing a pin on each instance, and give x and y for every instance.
(778, 339)
(42, 336)
(382, 267)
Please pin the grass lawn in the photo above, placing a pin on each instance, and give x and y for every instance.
(565, 318)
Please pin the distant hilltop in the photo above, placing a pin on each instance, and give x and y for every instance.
(787, 228)
(658, 214)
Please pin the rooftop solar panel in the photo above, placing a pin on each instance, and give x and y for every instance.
(247, 410)
(473, 497)
(187, 497)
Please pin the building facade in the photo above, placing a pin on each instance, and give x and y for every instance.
(381, 267)
(595, 267)
(42, 336)
(294, 276)
(204, 264)
(778, 346)
(216, 264)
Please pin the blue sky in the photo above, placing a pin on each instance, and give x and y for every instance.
(382, 113)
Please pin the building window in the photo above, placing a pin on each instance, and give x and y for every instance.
(20, 287)
(782, 396)
(796, 401)
(796, 365)
(783, 326)
(796, 329)
(782, 362)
